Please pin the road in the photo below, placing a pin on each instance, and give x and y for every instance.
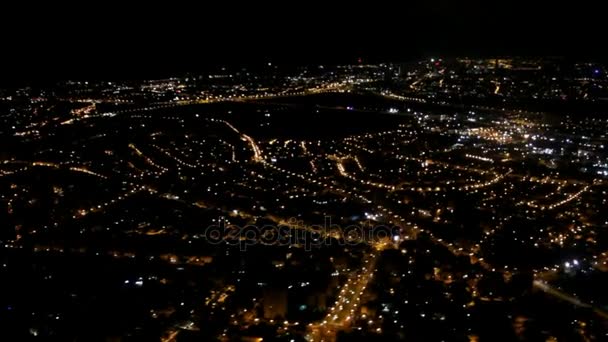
(548, 289)
(343, 312)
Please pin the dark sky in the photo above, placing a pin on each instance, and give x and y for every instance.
(103, 40)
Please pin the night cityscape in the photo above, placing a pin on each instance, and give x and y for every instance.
(492, 210)
(452, 194)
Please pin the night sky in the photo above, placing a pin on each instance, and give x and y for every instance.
(108, 41)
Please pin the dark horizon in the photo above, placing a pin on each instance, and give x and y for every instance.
(35, 77)
(108, 43)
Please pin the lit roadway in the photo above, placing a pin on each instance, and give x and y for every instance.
(341, 314)
(548, 289)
